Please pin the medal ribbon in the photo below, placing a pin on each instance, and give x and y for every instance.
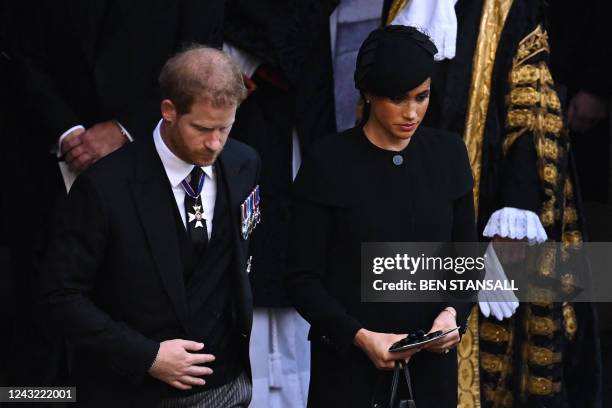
(189, 191)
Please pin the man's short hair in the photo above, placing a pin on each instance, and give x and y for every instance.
(200, 73)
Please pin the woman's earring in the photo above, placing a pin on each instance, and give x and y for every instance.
(367, 101)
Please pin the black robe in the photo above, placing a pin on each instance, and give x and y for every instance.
(349, 191)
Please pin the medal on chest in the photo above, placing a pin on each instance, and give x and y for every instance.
(250, 213)
(197, 216)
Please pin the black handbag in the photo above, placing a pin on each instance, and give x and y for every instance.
(401, 365)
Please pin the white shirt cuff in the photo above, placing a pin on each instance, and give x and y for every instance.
(248, 63)
(515, 223)
(58, 148)
(124, 132)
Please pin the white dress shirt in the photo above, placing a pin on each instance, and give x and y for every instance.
(177, 170)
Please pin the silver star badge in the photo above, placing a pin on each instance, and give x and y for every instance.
(198, 217)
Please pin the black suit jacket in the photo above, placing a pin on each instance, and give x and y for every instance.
(113, 276)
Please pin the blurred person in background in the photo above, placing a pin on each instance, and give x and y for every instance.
(284, 51)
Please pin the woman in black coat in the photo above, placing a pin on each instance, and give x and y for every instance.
(389, 180)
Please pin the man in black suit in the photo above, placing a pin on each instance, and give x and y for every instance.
(85, 70)
(147, 272)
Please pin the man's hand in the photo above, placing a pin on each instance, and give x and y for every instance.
(445, 321)
(376, 346)
(585, 110)
(96, 142)
(73, 137)
(176, 365)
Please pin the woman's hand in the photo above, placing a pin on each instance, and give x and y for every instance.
(445, 321)
(376, 346)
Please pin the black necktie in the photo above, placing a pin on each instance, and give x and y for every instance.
(196, 224)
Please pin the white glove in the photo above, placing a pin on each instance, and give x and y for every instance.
(500, 303)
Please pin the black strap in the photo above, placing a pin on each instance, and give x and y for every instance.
(400, 365)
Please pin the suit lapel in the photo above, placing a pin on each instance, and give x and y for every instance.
(230, 169)
(156, 206)
(231, 165)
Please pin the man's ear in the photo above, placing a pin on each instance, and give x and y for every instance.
(168, 111)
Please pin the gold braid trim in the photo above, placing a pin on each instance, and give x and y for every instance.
(527, 118)
(500, 398)
(493, 332)
(569, 321)
(491, 26)
(568, 189)
(511, 138)
(542, 356)
(533, 106)
(570, 216)
(542, 297)
(498, 365)
(547, 261)
(529, 96)
(549, 150)
(467, 354)
(542, 326)
(493, 363)
(533, 44)
(542, 386)
(493, 19)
